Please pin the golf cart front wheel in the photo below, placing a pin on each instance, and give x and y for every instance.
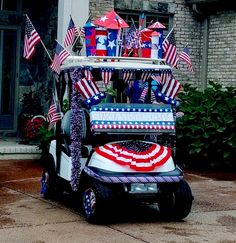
(176, 205)
(96, 202)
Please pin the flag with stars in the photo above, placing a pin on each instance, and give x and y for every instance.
(170, 49)
(184, 55)
(60, 55)
(132, 39)
(112, 42)
(31, 39)
(71, 33)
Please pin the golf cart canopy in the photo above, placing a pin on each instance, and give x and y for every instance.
(117, 63)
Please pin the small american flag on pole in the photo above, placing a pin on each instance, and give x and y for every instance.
(31, 39)
(184, 55)
(60, 55)
(170, 49)
(71, 33)
(54, 113)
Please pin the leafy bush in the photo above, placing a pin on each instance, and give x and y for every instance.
(206, 134)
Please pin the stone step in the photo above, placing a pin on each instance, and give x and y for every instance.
(10, 148)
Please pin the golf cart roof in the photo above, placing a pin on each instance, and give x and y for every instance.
(131, 63)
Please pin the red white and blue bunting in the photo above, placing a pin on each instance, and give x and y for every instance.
(106, 74)
(127, 76)
(146, 75)
(138, 155)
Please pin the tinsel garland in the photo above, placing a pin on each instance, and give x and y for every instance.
(76, 128)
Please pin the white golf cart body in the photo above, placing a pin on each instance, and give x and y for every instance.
(112, 163)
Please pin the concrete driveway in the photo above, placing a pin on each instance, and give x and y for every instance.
(26, 217)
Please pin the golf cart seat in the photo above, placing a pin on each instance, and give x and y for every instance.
(66, 127)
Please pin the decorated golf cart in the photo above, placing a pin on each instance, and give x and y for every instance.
(119, 145)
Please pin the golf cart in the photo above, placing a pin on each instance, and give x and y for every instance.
(109, 148)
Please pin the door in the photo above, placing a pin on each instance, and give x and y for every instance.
(8, 38)
(9, 63)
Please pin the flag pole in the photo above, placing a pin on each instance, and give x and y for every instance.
(79, 34)
(45, 49)
(169, 33)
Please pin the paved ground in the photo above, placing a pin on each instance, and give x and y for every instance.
(26, 217)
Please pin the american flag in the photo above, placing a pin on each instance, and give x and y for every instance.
(170, 49)
(71, 33)
(132, 37)
(60, 55)
(30, 40)
(171, 87)
(184, 55)
(54, 113)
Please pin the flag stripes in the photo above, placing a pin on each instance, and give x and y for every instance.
(106, 75)
(171, 87)
(30, 40)
(71, 33)
(60, 55)
(184, 55)
(170, 49)
(87, 88)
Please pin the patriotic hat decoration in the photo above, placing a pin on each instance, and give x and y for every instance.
(90, 92)
(158, 27)
(112, 42)
(146, 43)
(90, 39)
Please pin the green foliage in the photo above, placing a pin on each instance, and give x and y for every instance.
(206, 134)
(45, 137)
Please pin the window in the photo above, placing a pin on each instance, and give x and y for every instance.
(8, 5)
(149, 18)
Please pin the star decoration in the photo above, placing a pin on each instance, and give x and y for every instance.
(103, 19)
(111, 44)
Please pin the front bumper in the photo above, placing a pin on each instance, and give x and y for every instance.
(173, 176)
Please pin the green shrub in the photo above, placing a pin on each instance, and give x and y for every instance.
(206, 134)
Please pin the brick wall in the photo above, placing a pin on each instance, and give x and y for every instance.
(222, 48)
(189, 30)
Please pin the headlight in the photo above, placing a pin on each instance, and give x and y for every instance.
(143, 188)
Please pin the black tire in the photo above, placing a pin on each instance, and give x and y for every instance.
(176, 205)
(97, 200)
(48, 180)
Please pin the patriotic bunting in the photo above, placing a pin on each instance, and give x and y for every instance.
(88, 73)
(127, 75)
(138, 155)
(30, 40)
(146, 75)
(106, 75)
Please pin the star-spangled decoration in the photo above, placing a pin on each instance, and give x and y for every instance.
(111, 20)
(104, 18)
(111, 44)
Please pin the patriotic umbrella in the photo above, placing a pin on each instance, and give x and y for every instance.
(156, 25)
(138, 155)
(111, 20)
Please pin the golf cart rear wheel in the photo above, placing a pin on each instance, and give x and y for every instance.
(47, 184)
(176, 205)
(96, 202)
